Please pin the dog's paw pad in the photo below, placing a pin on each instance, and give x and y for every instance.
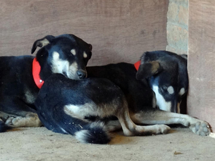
(162, 129)
(201, 128)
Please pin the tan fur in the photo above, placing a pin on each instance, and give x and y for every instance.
(163, 117)
(155, 66)
(114, 109)
(31, 120)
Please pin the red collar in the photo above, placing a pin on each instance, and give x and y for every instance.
(36, 73)
(137, 65)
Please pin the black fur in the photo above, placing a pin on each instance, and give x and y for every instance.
(59, 91)
(107, 87)
(165, 69)
(138, 94)
(3, 127)
(17, 88)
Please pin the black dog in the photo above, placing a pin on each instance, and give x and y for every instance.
(22, 76)
(167, 76)
(80, 108)
(85, 108)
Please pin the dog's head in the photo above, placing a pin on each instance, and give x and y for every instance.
(167, 76)
(65, 54)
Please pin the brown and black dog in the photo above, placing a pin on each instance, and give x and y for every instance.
(22, 76)
(111, 98)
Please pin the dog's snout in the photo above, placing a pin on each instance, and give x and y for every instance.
(81, 74)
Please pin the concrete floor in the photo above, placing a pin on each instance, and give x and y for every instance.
(39, 144)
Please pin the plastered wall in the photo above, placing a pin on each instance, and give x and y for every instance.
(119, 30)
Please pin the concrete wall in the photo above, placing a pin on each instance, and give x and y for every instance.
(177, 26)
(119, 30)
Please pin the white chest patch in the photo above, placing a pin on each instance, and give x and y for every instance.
(161, 102)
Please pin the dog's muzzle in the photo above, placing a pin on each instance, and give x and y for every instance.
(81, 74)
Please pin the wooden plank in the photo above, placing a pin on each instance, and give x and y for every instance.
(119, 30)
(201, 64)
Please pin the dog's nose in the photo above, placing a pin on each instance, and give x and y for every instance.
(81, 74)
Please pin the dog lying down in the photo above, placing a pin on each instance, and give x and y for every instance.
(22, 76)
(69, 106)
(85, 108)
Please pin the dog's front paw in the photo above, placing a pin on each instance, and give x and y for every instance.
(201, 128)
(13, 121)
(9, 121)
(162, 129)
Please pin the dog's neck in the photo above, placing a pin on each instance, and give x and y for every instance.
(137, 65)
(36, 73)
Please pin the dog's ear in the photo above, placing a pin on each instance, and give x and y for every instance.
(41, 42)
(148, 69)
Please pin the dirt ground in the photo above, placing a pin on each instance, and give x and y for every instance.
(39, 144)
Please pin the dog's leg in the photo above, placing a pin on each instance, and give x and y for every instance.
(113, 125)
(4, 116)
(130, 128)
(21, 115)
(30, 120)
(155, 116)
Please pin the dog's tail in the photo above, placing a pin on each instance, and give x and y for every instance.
(94, 133)
(86, 132)
(83, 131)
(3, 127)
